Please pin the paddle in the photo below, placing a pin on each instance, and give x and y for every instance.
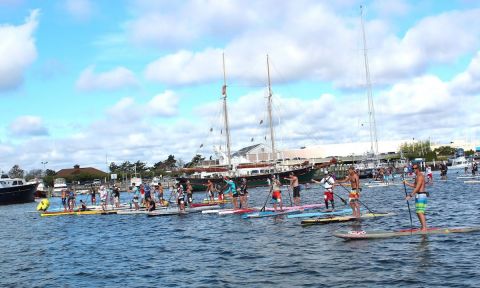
(266, 200)
(408, 203)
(343, 200)
(358, 200)
(290, 196)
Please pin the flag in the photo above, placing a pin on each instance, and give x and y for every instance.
(201, 145)
(224, 90)
(261, 122)
(251, 140)
(211, 129)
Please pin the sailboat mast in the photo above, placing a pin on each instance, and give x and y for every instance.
(269, 107)
(371, 109)
(225, 112)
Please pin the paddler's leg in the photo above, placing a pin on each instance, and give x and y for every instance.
(325, 199)
(420, 206)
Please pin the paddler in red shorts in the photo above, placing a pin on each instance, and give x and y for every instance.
(276, 193)
(328, 182)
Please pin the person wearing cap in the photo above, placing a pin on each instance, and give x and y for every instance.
(276, 193)
(231, 188)
(420, 195)
(354, 195)
(328, 183)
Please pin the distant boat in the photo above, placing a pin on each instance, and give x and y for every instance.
(460, 163)
(42, 190)
(16, 190)
(58, 185)
(256, 174)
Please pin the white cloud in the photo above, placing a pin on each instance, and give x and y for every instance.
(468, 82)
(115, 79)
(186, 67)
(17, 51)
(28, 126)
(322, 45)
(165, 104)
(80, 9)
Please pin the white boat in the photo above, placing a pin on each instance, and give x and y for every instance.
(460, 163)
(58, 185)
(42, 190)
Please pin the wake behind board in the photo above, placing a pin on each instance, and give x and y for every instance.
(471, 181)
(365, 235)
(339, 219)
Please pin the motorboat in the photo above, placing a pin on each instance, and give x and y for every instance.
(16, 190)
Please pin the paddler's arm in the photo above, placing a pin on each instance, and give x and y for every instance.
(315, 181)
(408, 184)
(417, 189)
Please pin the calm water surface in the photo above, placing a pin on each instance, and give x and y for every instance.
(199, 250)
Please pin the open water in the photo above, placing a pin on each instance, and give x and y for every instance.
(199, 250)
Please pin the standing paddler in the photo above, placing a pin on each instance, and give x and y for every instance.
(420, 195)
(354, 195)
(328, 183)
(232, 189)
(295, 188)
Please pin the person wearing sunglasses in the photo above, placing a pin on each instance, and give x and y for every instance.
(420, 195)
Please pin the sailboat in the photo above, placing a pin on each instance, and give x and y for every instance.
(257, 173)
(368, 164)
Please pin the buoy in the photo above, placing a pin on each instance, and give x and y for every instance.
(43, 205)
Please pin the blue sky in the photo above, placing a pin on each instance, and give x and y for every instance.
(140, 80)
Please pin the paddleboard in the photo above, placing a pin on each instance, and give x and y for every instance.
(193, 205)
(301, 207)
(317, 214)
(364, 235)
(263, 214)
(342, 218)
(63, 213)
(236, 211)
(168, 212)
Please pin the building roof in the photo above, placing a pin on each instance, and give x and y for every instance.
(244, 151)
(77, 170)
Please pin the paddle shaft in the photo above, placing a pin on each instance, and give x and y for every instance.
(408, 203)
(358, 200)
(266, 200)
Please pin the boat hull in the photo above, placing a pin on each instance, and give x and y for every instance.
(18, 194)
(304, 175)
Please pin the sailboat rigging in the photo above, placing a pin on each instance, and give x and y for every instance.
(256, 173)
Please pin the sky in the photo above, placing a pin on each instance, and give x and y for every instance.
(94, 82)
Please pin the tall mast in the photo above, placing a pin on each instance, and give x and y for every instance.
(269, 106)
(371, 109)
(225, 112)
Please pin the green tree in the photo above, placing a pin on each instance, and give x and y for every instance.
(195, 160)
(16, 172)
(418, 149)
(445, 151)
(34, 173)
